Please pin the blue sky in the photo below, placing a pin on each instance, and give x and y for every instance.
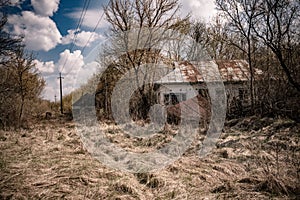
(48, 27)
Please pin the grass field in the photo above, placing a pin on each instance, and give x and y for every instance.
(254, 159)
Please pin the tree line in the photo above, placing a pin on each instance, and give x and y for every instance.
(20, 82)
(264, 33)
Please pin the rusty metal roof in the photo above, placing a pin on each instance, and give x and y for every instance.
(227, 70)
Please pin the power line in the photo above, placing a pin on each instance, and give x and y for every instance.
(98, 23)
(92, 34)
(83, 13)
(87, 3)
(79, 23)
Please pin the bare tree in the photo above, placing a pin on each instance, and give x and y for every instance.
(241, 16)
(20, 87)
(20, 83)
(136, 29)
(278, 28)
(123, 15)
(215, 38)
(29, 84)
(8, 43)
(145, 17)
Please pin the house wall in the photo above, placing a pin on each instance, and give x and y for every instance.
(233, 90)
(176, 88)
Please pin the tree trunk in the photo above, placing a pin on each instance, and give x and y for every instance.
(251, 75)
(287, 71)
(21, 112)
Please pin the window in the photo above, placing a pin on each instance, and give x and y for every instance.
(166, 99)
(174, 98)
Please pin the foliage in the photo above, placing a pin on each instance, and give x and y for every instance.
(20, 85)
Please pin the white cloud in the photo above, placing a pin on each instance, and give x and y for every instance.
(51, 89)
(70, 62)
(83, 37)
(75, 72)
(40, 33)
(86, 72)
(199, 8)
(45, 67)
(45, 7)
(91, 18)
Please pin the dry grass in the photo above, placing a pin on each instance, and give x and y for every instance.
(49, 162)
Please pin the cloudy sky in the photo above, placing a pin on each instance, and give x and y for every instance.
(49, 27)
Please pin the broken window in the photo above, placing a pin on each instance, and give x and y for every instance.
(174, 98)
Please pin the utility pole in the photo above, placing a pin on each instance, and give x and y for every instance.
(60, 86)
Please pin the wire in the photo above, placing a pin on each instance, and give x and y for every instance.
(98, 23)
(86, 44)
(79, 23)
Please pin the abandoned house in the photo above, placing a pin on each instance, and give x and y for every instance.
(185, 81)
